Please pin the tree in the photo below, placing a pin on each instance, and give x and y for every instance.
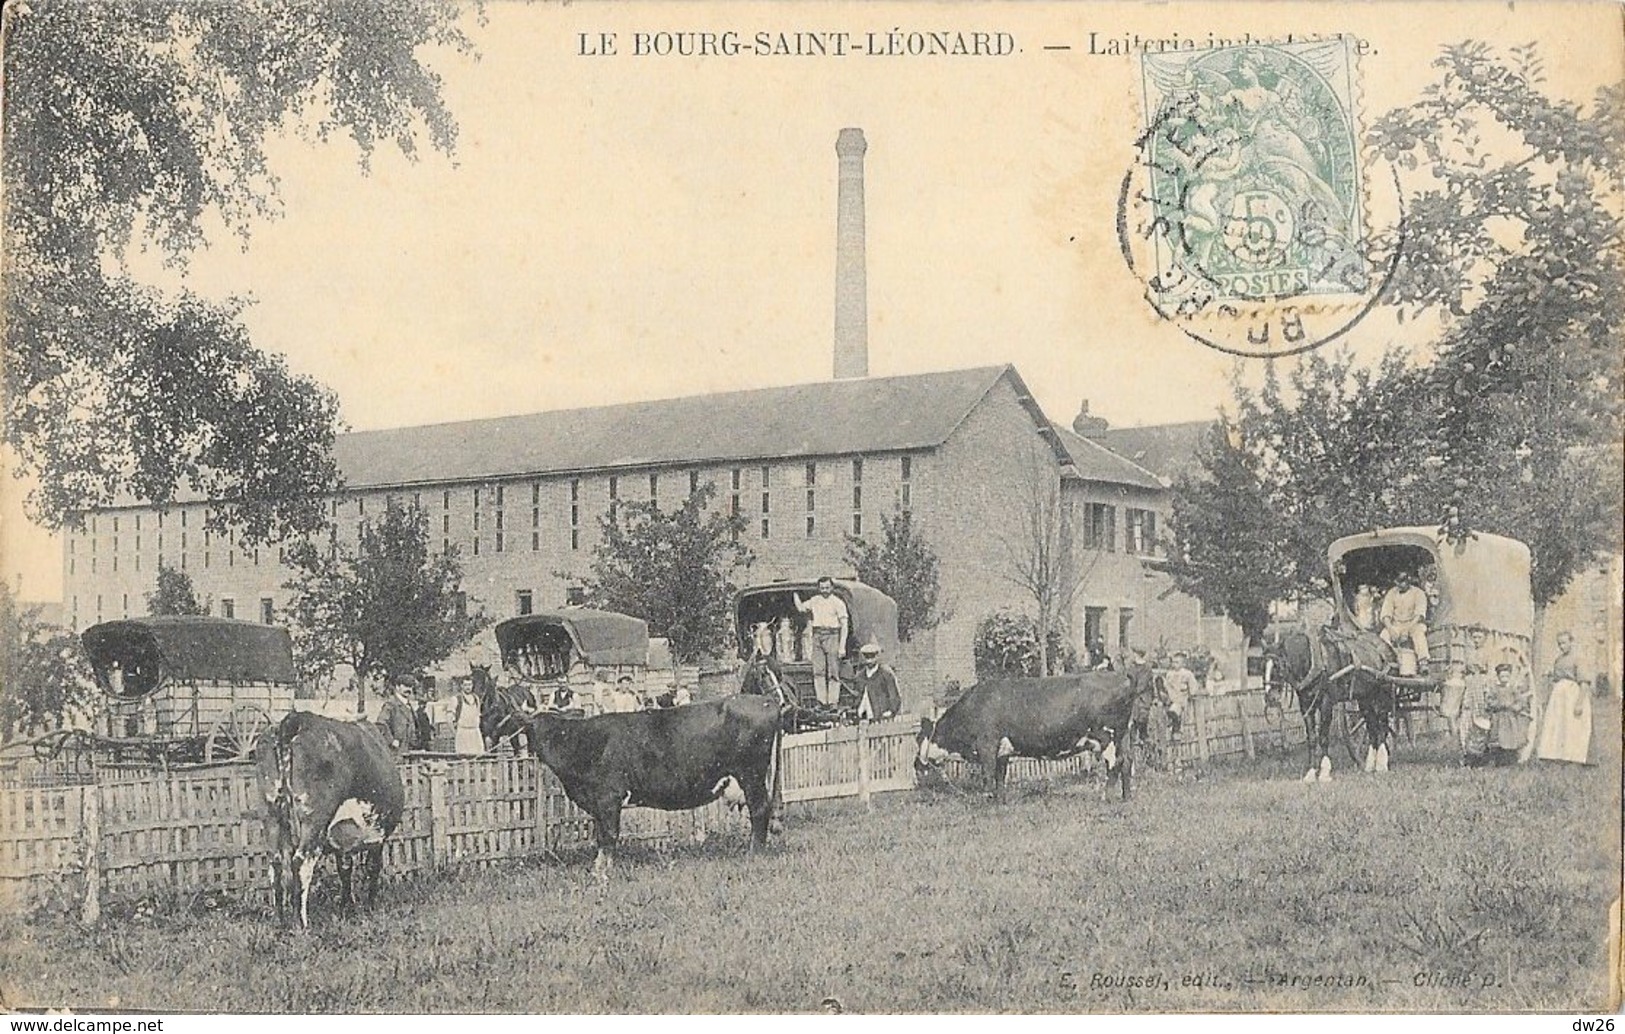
(673, 570)
(1228, 539)
(1512, 422)
(903, 566)
(1006, 643)
(173, 593)
(140, 123)
(45, 681)
(1038, 556)
(386, 608)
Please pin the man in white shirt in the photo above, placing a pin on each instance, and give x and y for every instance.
(1404, 616)
(829, 623)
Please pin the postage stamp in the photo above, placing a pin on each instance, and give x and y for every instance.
(1248, 214)
(1254, 169)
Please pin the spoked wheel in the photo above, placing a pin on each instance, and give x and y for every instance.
(233, 735)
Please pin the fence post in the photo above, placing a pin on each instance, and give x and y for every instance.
(439, 818)
(1199, 709)
(1246, 730)
(863, 764)
(90, 815)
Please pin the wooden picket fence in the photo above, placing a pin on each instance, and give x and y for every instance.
(132, 835)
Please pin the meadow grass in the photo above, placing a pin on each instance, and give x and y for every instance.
(1233, 887)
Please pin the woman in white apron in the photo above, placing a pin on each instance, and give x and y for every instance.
(1565, 732)
(468, 738)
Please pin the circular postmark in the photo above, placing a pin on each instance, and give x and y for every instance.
(1247, 212)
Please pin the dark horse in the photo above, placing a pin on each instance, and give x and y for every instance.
(505, 711)
(1326, 668)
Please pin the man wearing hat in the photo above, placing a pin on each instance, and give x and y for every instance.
(876, 685)
(396, 717)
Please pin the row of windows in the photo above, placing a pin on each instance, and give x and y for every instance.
(1100, 529)
(495, 497)
(225, 607)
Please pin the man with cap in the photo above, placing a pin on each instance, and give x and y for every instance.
(876, 685)
(397, 718)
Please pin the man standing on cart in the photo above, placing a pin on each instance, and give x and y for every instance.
(829, 621)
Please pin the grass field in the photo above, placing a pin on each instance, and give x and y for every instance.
(1236, 888)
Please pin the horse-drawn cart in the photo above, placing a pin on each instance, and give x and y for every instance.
(575, 656)
(1479, 612)
(181, 690)
(775, 644)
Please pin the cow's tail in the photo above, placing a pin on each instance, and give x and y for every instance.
(281, 739)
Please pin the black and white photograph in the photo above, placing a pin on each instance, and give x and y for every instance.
(700, 508)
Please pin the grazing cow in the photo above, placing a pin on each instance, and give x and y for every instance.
(1035, 718)
(673, 759)
(329, 787)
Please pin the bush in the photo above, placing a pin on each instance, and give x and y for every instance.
(1006, 643)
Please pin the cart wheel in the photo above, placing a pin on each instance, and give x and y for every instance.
(233, 736)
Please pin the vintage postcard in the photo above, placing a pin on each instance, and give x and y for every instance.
(895, 508)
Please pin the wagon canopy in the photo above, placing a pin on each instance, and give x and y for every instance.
(150, 652)
(598, 637)
(1482, 581)
(873, 613)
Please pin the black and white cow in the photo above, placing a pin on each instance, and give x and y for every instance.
(673, 759)
(1055, 717)
(328, 787)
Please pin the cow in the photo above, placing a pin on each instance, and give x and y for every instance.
(329, 787)
(673, 759)
(1035, 718)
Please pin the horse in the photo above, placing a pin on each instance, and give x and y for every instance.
(505, 711)
(1328, 667)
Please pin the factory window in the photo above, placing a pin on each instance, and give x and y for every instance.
(575, 596)
(499, 496)
(476, 521)
(764, 527)
(98, 608)
(360, 506)
(857, 524)
(693, 481)
(115, 544)
(115, 531)
(812, 474)
(183, 518)
(335, 508)
(767, 473)
(535, 525)
(536, 493)
(228, 607)
(126, 604)
(115, 560)
(575, 513)
(389, 500)
(522, 602)
(811, 506)
(445, 500)
(1094, 630)
(614, 489)
(267, 610)
(476, 502)
(501, 535)
(1125, 627)
(138, 524)
(907, 493)
(654, 489)
(417, 501)
(1139, 531)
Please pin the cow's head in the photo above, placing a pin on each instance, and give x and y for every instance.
(928, 753)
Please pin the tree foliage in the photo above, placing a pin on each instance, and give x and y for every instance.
(1230, 545)
(140, 124)
(903, 566)
(674, 570)
(1006, 643)
(45, 680)
(1512, 421)
(173, 593)
(386, 608)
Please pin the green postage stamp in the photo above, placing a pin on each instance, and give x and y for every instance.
(1254, 174)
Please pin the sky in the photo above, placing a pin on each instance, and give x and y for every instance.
(615, 228)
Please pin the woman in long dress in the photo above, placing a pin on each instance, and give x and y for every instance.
(466, 719)
(1565, 733)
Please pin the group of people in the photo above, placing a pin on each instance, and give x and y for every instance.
(1493, 706)
(407, 725)
(873, 693)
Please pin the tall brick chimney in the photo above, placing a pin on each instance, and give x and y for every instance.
(851, 290)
